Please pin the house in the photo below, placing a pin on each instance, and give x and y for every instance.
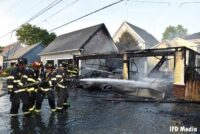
(177, 42)
(143, 39)
(18, 50)
(7, 53)
(168, 65)
(91, 40)
(195, 38)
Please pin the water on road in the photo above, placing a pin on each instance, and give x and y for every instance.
(91, 114)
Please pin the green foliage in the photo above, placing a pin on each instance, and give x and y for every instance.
(127, 42)
(171, 32)
(6, 72)
(30, 34)
(1, 48)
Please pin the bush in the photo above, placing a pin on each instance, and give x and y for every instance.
(3, 74)
(6, 72)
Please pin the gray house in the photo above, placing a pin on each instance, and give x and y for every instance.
(18, 50)
(143, 40)
(92, 40)
(7, 53)
(195, 38)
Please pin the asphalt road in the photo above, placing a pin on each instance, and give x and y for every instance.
(90, 113)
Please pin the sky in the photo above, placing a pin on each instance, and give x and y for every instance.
(151, 15)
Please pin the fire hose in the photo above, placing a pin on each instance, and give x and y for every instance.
(35, 84)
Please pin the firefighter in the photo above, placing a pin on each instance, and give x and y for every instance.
(16, 79)
(38, 70)
(45, 89)
(28, 78)
(61, 87)
(31, 78)
(71, 73)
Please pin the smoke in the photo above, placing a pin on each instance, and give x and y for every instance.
(129, 84)
(130, 87)
(161, 79)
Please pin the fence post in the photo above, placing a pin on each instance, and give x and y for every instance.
(125, 66)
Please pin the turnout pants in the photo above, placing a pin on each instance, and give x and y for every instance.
(39, 99)
(66, 95)
(15, 103)
(62, 95)
(32, 100)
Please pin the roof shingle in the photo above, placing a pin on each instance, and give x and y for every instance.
(10, 50)
(193, 36)
(22, 51)
(147, 37)
(71, 41)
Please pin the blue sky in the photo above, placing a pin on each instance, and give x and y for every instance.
(151, 15)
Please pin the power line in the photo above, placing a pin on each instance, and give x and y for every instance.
(2, 36)
(9, 45)
(86, 15)
(72, 3)
(11, 7)
(51, 5)
(31, 9)
(153, 2)
(192, 2)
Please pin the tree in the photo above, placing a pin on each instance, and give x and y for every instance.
(127, 42)
(1, 48)
(171, 32)
(30, 34)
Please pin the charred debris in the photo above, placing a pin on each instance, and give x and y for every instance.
(172, 75)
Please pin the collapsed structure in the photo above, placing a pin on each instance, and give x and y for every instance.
(184, 61)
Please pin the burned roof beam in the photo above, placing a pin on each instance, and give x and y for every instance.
(157, 49)
(98, 56)
(149, 54)
(137, 53)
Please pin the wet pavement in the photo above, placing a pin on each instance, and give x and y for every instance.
(91, 114)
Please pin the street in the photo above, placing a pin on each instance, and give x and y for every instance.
(90, 113)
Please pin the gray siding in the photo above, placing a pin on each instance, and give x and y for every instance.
(100, 43)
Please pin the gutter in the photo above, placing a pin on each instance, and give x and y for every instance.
(58, 52)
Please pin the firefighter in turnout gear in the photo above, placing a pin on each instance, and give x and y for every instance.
(31, 78)
(45, 88)
(72, 71)
(61, 87)
(64, 76)
(16, 79)
(38, 70)
(72, 74)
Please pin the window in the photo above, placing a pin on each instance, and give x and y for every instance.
(50, 62)
(69, 61)
(12, 64)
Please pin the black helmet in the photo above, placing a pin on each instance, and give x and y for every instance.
(49, 65)
(22, 61)
(64, 64)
